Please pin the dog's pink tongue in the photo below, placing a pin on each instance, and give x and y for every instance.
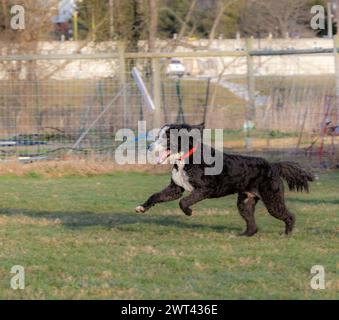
(163, 156)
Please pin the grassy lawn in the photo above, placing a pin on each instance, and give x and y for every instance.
(78, 237)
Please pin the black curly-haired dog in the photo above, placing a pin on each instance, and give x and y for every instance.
(252, 178)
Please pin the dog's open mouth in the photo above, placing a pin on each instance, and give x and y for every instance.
(163, 156)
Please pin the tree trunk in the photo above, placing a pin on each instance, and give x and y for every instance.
(221, 9)
(153, 27)
(116, 17)
(336, 13)
(111, 19)
(5, 12)
(137, 24)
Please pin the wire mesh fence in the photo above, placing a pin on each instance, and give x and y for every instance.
(48, 109)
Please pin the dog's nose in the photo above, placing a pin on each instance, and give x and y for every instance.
(149, 147)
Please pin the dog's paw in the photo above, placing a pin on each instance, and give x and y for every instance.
(140, 209)
(248, 233)
(188, 212)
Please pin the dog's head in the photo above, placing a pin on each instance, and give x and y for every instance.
(175, 140)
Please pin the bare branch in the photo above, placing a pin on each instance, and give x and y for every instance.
(187, 19)
(220, 12)
(276, 17)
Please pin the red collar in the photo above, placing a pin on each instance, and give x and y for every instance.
(188, 154)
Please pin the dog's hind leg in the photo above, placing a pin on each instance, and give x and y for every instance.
(246, 206)
(194, 197)
(170, 193)
(272, 195)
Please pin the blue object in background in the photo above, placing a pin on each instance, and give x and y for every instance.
(66, 10)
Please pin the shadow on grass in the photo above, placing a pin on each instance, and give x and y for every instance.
(76, 220)
(313, 201)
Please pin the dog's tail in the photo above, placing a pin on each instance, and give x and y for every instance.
(296, 177)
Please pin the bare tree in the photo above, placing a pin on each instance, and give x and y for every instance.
(261, 17)
(153, 25)
(221, 7)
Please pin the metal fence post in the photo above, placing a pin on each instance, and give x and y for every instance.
(75, 25)
(250, 117)
(123, 80)
(336, 63)
(156, 92)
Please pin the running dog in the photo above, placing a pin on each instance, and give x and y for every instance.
(252, 178)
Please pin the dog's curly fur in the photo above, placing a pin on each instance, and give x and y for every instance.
(252, 178)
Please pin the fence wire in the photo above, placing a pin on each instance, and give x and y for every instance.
(45, 107)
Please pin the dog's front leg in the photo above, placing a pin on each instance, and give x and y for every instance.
(194, 197)
(170, 193)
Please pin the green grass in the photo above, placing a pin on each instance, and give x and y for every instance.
(314, 82)
(78, 237)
